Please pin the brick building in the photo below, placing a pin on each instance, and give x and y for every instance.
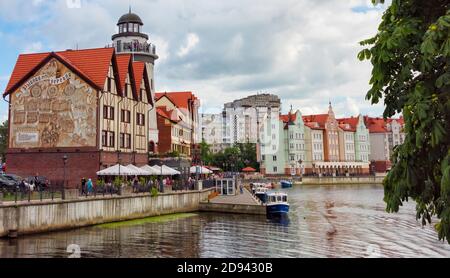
(93, 106)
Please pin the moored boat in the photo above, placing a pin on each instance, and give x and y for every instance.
(286, 184)
(261, 193)
(277, 203)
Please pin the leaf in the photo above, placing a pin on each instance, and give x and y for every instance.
(443, 80)
(446, 48)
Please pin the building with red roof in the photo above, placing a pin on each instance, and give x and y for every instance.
(183, 136)
(92, 106)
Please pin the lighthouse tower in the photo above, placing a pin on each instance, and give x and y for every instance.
(131, 39)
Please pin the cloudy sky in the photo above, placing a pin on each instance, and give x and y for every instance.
(302, 50)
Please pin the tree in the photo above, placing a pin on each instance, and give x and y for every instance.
(3, 139)
(411, 71)
(205, 153)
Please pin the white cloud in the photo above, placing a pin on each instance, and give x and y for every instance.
(191, 42)
(305, 51)
(33, 47)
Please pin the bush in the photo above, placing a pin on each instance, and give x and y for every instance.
(154, 192)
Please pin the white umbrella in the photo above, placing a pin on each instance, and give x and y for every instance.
(203, 170)
(117, 170)
(173, 171)
(141, 172)
(166, 171)
(151, 170)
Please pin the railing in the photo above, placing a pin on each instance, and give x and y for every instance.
(24, 194)
(135, 46)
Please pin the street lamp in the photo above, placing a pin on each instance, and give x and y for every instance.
(161, 164)
(65, 159)
(300, 162)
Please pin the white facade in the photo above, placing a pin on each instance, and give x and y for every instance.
(379, 144)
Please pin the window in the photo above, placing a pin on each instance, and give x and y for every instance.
(140, 119)
(126, 116)
(274, 158)
(108, 112)
(108, 139)
(127, 88)
(104, 138)
(263, 158)
(109, 85)
(125, 141)
(275, 169)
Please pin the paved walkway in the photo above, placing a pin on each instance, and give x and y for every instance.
(241, 199)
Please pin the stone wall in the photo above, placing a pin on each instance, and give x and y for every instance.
(30, 218)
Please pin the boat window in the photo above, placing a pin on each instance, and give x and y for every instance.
(279, 199)
(273, 199)
(285, 199)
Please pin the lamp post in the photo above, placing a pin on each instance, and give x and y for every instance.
(300, 162)
(161, 164)
(65, 159)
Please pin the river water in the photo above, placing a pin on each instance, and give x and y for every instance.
(325, 221)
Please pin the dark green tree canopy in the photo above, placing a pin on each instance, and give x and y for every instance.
(411, 71)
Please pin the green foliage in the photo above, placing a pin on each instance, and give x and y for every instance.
(3, 139)
(411, 70)
(118, 182)
(100, 183)
(154, 192)
(142, 181)
(231, 159)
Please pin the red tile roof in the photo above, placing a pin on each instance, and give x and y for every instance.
(351, 122)
(123, 63)
(180, 99)
(138, 72)
(311, 120)
(91, 64)
(288, 118)
(169, 115)
(375, 125)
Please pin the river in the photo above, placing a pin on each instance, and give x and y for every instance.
(325, 221)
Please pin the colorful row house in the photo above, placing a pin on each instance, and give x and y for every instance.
(323, 145)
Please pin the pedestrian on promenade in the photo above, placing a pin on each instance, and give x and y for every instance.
(90, 186)
(135, 184)
(83, 186)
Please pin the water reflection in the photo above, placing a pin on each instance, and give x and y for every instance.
(325, 221)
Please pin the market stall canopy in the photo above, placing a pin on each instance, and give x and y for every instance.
(141, 172)
(166, 171)
(151, 170)
(249, 170)
(118, 170)
(203, 170)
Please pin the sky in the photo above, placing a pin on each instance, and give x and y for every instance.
(304, 51)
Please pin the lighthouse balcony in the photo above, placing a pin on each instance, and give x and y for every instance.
(135, 47)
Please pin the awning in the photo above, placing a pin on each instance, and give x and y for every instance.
(151, 170)
(341, 165)
(166, 171)
(118, 170)
(141, 172)
(202, 170)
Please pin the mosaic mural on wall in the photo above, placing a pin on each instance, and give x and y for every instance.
(54, 108)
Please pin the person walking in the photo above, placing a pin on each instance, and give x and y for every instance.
(83, 186)
(90, 186)
(135, 185)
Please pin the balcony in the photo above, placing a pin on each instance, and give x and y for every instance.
(134, 47)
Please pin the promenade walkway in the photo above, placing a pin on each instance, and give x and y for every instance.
(240, 199)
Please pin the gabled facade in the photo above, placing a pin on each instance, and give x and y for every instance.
(89, 105)
(188, 105)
